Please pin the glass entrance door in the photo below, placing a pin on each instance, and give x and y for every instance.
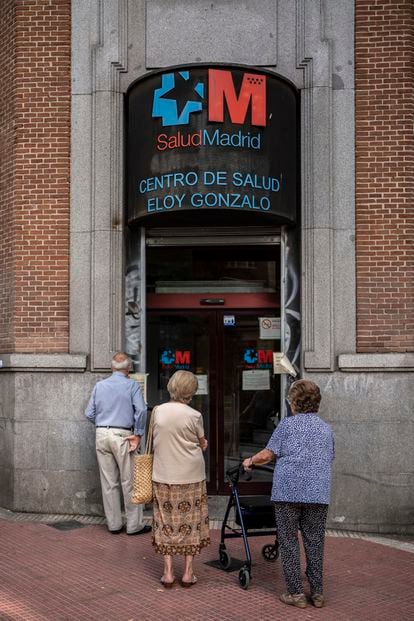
(183, 341)
(249, 402)
(231, 352)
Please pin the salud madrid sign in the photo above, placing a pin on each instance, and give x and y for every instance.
(211, 142)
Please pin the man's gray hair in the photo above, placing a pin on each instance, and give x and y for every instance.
(121, 362)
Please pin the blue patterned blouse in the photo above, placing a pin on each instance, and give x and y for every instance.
(304, 446)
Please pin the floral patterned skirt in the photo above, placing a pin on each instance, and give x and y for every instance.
(180, 523)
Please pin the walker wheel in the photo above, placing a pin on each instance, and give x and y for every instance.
(224, 559)
(270, 552)
(244, 578)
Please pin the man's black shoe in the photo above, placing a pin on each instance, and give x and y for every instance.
(117, 531)
(146, 529)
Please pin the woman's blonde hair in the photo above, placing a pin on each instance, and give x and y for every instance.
(304, 396)
(182, 386)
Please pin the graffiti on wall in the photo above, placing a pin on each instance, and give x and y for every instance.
(292, 331)
(133, 303)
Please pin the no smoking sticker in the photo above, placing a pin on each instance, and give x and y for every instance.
(269, 327)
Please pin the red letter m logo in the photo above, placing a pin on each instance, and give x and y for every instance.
(182, 357)
(221, 87)
(265, 355)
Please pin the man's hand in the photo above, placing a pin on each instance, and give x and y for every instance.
(203, 443)
(134, 442)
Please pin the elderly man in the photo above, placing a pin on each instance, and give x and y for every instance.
(117, 409)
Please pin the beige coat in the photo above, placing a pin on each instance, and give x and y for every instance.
(178, 458)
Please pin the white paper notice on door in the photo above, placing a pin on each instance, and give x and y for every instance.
(281, 364)
(269, 327)
(202, 385)
(256, 379)
(142, 379)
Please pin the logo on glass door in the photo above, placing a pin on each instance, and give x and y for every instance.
(175, 359)
(258, 358)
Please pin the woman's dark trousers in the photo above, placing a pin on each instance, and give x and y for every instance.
(310, 519)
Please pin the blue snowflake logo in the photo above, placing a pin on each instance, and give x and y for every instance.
(167, 108)
(168, 356)
(250, 356)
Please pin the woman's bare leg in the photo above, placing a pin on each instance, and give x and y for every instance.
(188, 574)
(168, 575)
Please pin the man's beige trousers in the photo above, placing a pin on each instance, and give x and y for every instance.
(115, 468)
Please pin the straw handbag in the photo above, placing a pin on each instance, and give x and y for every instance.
(142, 475)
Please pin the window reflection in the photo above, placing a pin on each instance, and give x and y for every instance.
(236, 269)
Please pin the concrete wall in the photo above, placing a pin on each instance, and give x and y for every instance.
(48, 464)
(373, 486)
(7, 439)
(47, 451)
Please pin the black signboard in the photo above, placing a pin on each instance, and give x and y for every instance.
(211, 144)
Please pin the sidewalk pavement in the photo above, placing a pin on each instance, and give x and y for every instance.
(83, 573)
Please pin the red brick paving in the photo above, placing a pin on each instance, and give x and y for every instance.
(89, 575)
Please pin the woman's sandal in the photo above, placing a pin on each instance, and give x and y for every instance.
(186, 584)
(167, 585)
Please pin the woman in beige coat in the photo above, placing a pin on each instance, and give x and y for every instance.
(180, 524)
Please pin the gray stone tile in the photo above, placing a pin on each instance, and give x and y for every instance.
(6, 443)
(6, 486)
(81, 161)
(80, 292)
(339, 28)
(71, 445)
(30, 448)
(344, 302)
(185, 31)
(58, 491)
(343, 161)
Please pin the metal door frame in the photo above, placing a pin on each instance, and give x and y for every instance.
(220, 236)
(216, 485)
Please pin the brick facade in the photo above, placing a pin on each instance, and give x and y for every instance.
(7, 170)
(385, 175)
(35, 151)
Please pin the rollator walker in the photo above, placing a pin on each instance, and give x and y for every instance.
(255, 517)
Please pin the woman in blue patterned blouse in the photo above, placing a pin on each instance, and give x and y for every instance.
(303, 446)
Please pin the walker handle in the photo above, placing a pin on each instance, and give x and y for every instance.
(233, 474)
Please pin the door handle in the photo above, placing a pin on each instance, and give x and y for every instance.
(212, 301)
